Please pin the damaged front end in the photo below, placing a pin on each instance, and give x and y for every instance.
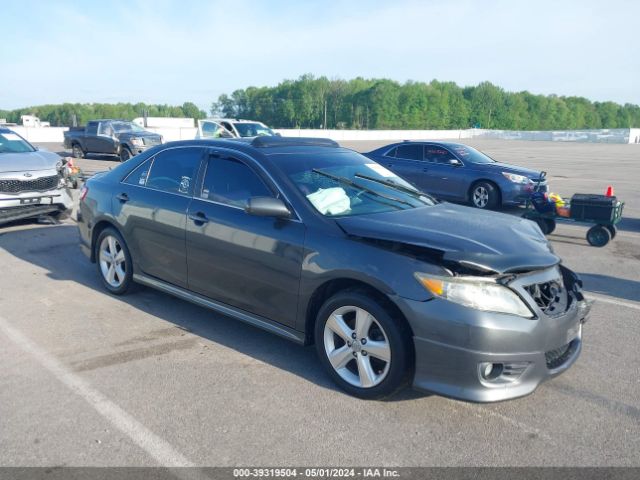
(34, 194)
(496, 325)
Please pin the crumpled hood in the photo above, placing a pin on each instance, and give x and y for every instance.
(493, 241)
(28, 161)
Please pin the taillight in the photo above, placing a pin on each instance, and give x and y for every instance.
(83, 192)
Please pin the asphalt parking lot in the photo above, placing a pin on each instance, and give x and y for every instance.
(146, 379)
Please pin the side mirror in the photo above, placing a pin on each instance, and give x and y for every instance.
(278, 134)
(454, 162)
(267, 207)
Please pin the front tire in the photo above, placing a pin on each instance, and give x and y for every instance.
(125, 154)
(76, 151)
(484, 195)
(367, 352)
(114, 262)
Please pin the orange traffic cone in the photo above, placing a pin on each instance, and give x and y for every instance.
(609, 191)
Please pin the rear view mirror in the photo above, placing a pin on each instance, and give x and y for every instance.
(267, 207)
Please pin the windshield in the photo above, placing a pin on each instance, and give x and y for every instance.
(13, 143)
(346, 183)
(471, 154)
(126, 127)
(246, 129)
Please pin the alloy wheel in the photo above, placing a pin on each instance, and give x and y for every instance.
(112, 261)
(480, 197)
(357, 346)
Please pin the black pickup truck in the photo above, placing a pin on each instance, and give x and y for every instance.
(110, 137)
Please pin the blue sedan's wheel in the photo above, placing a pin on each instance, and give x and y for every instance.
(484, 195)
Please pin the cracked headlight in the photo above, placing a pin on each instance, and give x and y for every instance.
(478, 293)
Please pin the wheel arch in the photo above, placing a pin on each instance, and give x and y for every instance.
(344, 284)
(98, 228)
(486, 180)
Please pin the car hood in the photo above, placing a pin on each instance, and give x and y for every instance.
(144, 134)
(28, 161)
(506, 167)
(486, 241)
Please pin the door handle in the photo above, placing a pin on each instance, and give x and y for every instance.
(425, 169)
(389, 164)
(199, 218)
(123, 197)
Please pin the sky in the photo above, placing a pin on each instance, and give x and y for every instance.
(165, 51)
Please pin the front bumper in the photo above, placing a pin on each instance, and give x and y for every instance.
(32, 204)
(517, 193)
(453, 343)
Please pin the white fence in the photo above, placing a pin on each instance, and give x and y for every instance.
(618, 135)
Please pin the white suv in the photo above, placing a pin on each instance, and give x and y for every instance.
(210, 128)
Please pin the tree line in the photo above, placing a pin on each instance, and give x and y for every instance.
(311, 102)
(318, 102)
(63, 115)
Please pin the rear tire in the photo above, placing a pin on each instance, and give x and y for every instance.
(612, 230)
(113, 261)
(484, 195)
(375, 364)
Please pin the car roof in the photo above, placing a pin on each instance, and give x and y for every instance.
(110, 120)
(432, 142)
(235, 120)
(267, 145)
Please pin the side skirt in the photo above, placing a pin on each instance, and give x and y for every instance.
(246, 317)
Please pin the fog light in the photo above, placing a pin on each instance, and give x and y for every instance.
(491, 371)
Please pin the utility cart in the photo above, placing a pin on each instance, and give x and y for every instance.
(603, 212)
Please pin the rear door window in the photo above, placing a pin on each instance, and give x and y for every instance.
(410, 152)
(174, 170)
(391, 153)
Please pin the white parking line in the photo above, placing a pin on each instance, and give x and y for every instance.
(155, 446)
(613, 301)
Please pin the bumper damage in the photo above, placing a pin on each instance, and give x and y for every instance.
(33, 204)
(483, 356)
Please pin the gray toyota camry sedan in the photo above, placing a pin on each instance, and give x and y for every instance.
(324, 246)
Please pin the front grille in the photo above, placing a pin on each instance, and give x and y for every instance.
(41, 184)
(150, 141)
(556, 358)
(550, 297)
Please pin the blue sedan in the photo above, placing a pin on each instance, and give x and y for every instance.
(459, 173)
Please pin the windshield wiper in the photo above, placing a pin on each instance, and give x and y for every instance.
(351, 183)
(395, 186)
